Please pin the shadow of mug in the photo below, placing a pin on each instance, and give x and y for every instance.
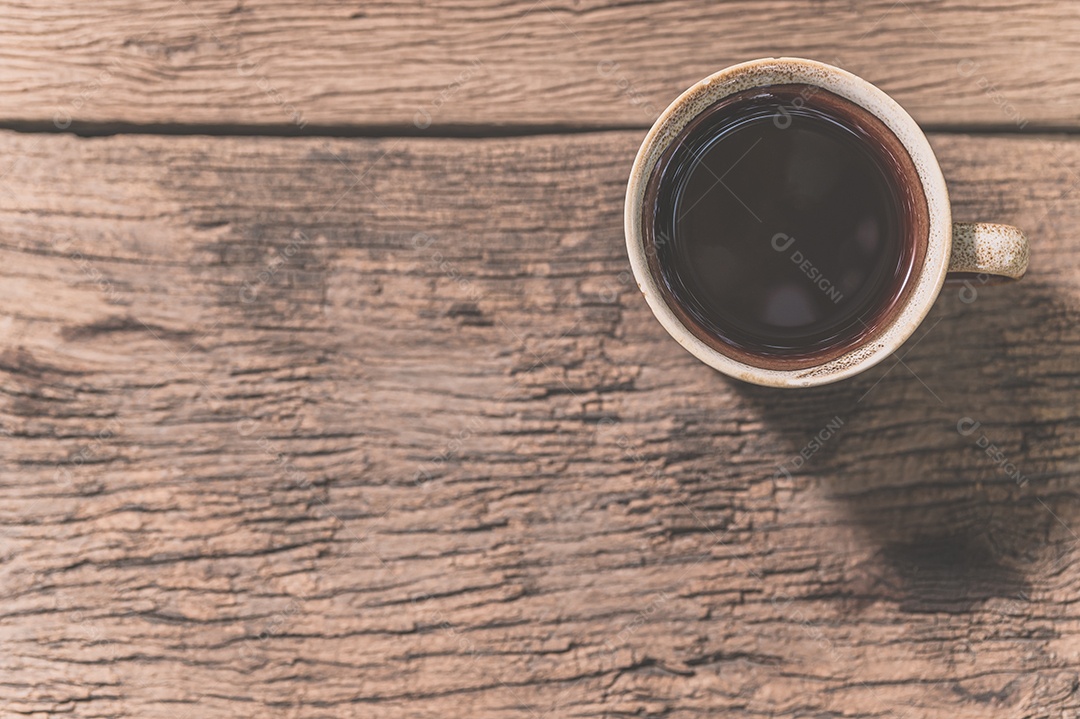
(951, 454)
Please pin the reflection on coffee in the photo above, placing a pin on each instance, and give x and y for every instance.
(784, 224)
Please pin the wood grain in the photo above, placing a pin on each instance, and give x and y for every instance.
(436, 65)
(380, 428)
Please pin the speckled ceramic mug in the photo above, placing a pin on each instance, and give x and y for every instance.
(960, 251)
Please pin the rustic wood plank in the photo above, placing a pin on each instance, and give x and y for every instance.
(379, 428)
(590, 62)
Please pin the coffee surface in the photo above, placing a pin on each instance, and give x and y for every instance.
(779, 224)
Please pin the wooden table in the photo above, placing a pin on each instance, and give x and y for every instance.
(326, 392)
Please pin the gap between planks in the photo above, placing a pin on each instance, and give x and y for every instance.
(478, 132)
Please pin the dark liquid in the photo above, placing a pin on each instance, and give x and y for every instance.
(783, 225)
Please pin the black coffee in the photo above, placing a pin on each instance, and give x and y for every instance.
(784, 225)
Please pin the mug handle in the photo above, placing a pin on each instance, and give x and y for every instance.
(983, 248)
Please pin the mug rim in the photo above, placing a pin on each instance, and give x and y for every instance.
(930, 275)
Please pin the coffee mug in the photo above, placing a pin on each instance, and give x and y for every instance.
(789, 225)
